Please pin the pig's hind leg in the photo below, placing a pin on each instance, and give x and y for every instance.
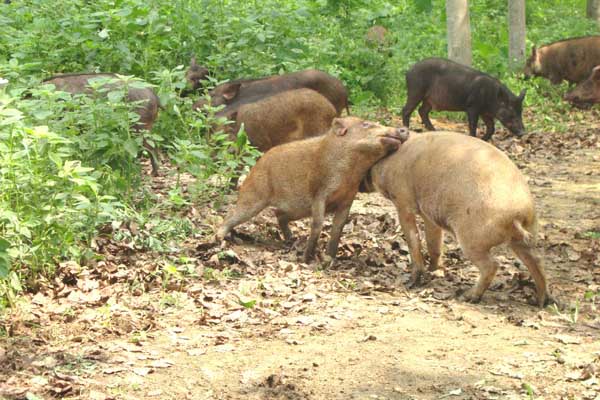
(482, 258)
(424, 111)
(536, 269)
(434, 237)
(411, 104)
(245, 209)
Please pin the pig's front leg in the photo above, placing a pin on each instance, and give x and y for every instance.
(318, 215)
(339, 220)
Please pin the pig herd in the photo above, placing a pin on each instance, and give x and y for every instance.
(315, 161)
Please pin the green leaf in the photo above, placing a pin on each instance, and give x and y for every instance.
(4, 258)
(248, 304)
(131, 147)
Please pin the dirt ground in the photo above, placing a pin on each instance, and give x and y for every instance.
(250, 321)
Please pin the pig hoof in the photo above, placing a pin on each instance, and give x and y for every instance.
(470, 296)
(550, 300)
(415, 280)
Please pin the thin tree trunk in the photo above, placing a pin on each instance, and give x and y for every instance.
(459, 31)
(593, 10)
(517, 31)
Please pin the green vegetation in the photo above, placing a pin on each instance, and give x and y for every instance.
(69, 164)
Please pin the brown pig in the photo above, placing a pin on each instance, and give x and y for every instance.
(282, 118)
(469, 188)
(243, 91)
(587, 92)
(312, 177)
(570, 59)
(195, 75)
(147, 110)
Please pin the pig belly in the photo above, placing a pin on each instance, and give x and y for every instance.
(442, 102)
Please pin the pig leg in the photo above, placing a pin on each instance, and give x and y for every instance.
(339, 220)
(411, 234)
(246, 208)
(473, 117)
(536, 269)
(487, 269)
(489, 127)
(434, 237)
(153, 157)
(318, 215)
(284, 220)
(424, 113)
(411, 103)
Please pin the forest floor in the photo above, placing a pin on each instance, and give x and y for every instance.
(250, 321)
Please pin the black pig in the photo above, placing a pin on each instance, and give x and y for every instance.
(440, 84)
(243, 91)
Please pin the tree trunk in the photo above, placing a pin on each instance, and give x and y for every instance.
(516, 29)
(593, 10)
(459, 31)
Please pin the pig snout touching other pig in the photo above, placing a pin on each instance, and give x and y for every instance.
(440, 84)
(312, 177)
(467, 187)
(587, 92)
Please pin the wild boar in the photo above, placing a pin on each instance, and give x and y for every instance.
(570, 59)
(243, 91)
(469, 188)
(195, 75)
(587, 92)
(147, 110)
(440, 84)
(312, 177)
(376, 35)
(282, 118)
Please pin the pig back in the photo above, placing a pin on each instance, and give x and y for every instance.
(447, 176)
(286, 117)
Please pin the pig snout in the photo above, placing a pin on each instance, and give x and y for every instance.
(394, 138)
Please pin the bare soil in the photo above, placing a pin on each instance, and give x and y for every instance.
(248, 320)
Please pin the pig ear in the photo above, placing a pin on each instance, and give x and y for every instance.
(533, 51)
(339, 127)
(232, 116)
(522, 95)
(231, 91)
(596, 73)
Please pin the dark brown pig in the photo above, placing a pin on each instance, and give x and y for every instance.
(570, 59)
(469, 188)
(195, 75)
(243, 91)
(440, 84)
(312, 177)
(147, 109)
(282, 118)
(587, 92)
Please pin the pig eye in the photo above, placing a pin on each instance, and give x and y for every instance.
(367, 125)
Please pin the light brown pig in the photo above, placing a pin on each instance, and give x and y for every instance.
(282, 118)
(468, 187)
(313, 176)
